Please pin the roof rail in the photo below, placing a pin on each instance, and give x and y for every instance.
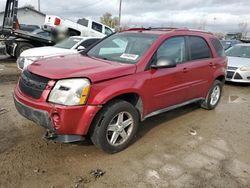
(161, 28)
(168, 29)
(202, 31)
(136, 29)
(150, 28)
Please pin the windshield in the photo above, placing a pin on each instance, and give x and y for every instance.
(68, 43)
(123, 47)
(239, 51)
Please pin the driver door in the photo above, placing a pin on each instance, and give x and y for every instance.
(168, 86)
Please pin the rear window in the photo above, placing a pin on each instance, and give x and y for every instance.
(68, 43)
(199, 48)
(108, 31)
(218, 47)
(83, 22)
(87, 43)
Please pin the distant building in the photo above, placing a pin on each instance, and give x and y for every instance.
(27, 16)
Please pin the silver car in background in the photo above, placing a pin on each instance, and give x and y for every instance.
(238, 63)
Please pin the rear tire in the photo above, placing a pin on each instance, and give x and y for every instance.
(22, 47)
(73, 33)
(213, 96)
(115, 126)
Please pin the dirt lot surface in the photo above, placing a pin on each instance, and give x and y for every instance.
(187, 147)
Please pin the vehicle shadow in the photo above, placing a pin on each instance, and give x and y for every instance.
(238, 84)
(7, 59)
(152, 122)
(155, 121)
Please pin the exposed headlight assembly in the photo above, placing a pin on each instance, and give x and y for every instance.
(23, 62)
(70, 92)
(20, 62)
(245, 68)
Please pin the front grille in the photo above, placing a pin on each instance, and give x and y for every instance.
(232, 68)
(32, 85)
(230, 74)
(238, 76)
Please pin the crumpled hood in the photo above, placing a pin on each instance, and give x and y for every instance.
(72, 66)
(46, 51)
(238, 61)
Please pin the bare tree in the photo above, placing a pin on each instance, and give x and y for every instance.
(107, 19)
(202, 24)
(219, 35)
(243, 28)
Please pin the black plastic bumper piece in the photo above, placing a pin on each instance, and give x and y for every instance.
(42, 118)
(63, 138)
(38, 116)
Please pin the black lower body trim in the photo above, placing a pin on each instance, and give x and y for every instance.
(63, 138)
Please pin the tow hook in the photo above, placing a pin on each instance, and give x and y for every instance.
(49, 135)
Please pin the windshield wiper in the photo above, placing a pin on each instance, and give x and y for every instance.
(104, 58)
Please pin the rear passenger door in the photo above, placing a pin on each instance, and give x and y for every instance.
(199, 68)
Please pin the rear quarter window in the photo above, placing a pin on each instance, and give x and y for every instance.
(199, 48)
(218, 47)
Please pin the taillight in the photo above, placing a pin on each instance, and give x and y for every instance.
(57, 21)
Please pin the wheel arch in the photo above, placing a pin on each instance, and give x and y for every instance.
(133, 98)
(74, 30)
(221, 78)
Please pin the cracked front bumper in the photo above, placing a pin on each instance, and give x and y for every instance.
(59, 119)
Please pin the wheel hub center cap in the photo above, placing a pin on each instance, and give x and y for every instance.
(119, 129)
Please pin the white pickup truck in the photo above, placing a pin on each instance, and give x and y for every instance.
(83, 27)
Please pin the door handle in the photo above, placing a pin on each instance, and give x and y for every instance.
(211, 64)
(185, 69)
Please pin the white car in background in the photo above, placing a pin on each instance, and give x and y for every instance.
(238, 69)
(83, 27)
(70, 45)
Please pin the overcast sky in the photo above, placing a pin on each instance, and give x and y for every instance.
(220, 15)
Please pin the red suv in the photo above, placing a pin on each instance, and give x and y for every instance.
(127, 77)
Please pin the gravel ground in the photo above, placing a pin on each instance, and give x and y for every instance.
(188, 147)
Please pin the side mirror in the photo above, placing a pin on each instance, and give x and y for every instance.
(164, 62)
(80, 48)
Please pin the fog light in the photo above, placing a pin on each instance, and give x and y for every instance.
(56, 120)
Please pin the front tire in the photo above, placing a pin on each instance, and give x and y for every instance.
(115, 126)
(213, 96)
(22, 47)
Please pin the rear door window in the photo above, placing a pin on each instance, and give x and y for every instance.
(97, 27)
(198, 48)
(218, 47)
